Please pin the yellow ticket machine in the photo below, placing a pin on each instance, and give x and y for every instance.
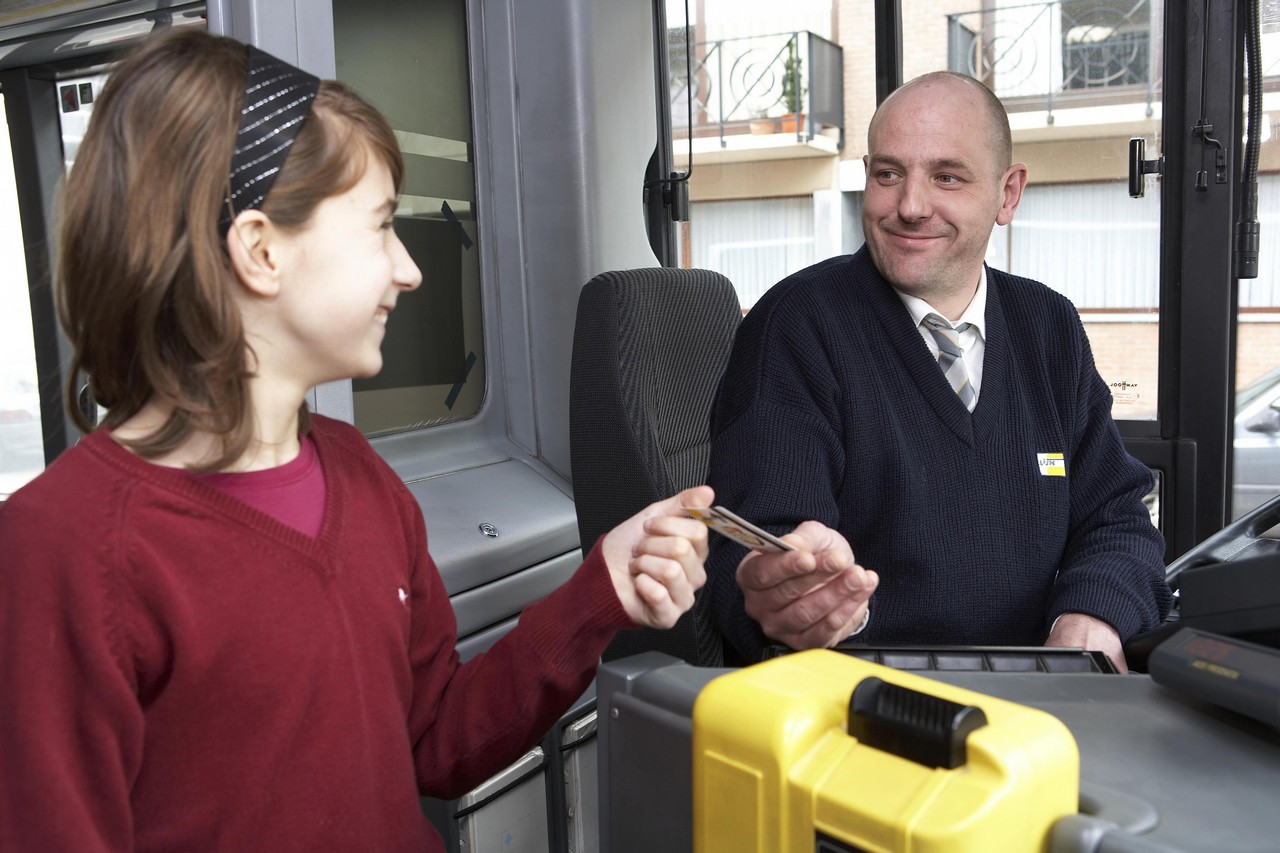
(820, 751)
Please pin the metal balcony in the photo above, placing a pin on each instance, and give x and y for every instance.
(1047, 56)
(790, 84)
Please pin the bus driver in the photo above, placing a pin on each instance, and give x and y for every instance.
(941, 419)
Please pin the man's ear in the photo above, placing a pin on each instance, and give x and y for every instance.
(253, 244)
(1015, 181)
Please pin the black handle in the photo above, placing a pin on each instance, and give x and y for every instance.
(926, 729)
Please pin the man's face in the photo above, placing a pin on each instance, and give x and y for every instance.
(935, 190)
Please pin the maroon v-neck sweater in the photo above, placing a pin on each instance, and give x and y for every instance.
(182, 672)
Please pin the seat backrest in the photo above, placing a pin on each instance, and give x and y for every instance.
(649, 348)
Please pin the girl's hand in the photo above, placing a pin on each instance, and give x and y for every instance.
(655, 558)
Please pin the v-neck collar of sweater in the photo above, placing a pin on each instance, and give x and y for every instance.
(321, 548)
(923, 368)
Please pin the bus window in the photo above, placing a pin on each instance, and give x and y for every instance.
(1256, 424)
(780, 126)
(1078, 78)
(21, 437)
(410, 60)
(76, 97)
(777, 148)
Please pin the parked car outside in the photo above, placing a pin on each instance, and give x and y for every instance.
(21, 439)
(1257, 443)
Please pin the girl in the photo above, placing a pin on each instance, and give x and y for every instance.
(221, 628)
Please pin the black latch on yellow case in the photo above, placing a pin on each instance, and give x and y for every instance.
(926, 729)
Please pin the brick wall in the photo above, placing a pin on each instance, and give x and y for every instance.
(1257, 350)
(1126, 355)
(1126, 358)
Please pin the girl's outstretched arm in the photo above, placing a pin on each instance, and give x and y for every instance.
(469, 720)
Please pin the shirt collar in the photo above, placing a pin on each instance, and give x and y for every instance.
(975, 314)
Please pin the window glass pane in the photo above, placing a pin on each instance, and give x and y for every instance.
(76, 97)
(410, 60)
(754, 243)
(775, 158)
(1079, 78)
(21, 437)
(21, 431)
(18, 11)
(1256, 425)
(1100, 249)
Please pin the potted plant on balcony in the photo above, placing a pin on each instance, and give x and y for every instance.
(792, 90)
(760, 123)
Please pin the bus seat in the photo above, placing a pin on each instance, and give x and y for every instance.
(649, 348)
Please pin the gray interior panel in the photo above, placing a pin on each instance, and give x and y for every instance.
(534, 522)
(470, 646)
(1211, 775)
(483, 606)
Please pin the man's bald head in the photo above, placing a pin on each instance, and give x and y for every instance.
(1000, 138)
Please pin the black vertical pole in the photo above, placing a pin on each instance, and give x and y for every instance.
(31, 105)
(888, 48)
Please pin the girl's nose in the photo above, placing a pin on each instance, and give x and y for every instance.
(405, 272)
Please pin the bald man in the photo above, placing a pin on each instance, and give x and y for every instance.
(942, 420)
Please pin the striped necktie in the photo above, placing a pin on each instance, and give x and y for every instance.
(951, 357)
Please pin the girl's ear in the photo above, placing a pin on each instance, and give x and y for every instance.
(254, 246)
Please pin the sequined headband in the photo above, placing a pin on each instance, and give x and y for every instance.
(277, 99)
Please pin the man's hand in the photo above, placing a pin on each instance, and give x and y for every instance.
(1081, 631)
(655, 558)
(809, 598)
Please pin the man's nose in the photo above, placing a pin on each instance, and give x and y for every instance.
(913, 202)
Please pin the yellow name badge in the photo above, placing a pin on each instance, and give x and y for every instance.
(1052, 464)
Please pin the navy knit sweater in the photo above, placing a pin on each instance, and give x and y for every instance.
(832, 408)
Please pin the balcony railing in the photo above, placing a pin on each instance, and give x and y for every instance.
(788, 83)
(1043, 55)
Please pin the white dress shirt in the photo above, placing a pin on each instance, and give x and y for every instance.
(972, 341)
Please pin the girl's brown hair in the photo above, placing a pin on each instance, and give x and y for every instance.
(144, 283)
